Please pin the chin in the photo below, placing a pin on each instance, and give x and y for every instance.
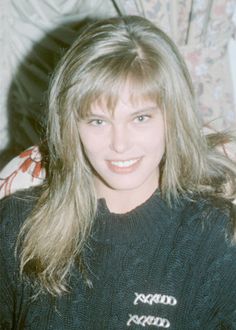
(124, 185)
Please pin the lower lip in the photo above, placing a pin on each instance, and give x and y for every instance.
(124, 170)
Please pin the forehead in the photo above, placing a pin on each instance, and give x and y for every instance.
(128, 100)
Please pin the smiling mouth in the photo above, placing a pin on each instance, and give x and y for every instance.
(123, 166)
(124, 163)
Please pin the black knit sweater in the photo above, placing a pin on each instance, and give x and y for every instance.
(153, 267)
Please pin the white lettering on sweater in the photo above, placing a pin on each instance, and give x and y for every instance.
(154, 299)
(148, 320)
(150, 299)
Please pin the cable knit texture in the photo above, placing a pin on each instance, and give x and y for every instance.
(154, 267)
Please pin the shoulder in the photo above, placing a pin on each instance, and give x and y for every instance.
(14, 209)
(208, 208)
(206, 227)
(209, 218)
(22, 201)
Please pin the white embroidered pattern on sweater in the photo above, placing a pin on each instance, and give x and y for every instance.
(150, 299)
(148, 320)
(154, 299)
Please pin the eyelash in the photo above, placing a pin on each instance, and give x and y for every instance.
(96, 122)
(101, 122)
(144, 118)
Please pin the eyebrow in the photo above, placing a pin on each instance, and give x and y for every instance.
(148, 109)
(135, 113)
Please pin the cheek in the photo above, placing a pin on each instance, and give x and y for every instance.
(92, 142)
(161, 145)
(154, 140)
(93, 148)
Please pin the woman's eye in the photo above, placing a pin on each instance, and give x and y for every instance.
(142, 118)
(97, 122)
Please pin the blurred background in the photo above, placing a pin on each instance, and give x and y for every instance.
(34, 35)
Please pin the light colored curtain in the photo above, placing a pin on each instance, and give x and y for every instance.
(33, 34)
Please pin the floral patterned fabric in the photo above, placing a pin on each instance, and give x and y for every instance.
(22, 172)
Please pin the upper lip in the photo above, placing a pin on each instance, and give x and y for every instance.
(123, 160)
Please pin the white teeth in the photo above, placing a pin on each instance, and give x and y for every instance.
(126, 163)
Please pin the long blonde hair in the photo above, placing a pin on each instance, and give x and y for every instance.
(99, 62)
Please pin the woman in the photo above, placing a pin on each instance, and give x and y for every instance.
(131, 229)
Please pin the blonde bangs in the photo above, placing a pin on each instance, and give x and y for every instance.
(105, 82)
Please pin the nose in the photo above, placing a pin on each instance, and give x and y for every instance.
(120, 139)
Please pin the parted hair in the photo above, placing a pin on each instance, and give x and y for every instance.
(106, 55)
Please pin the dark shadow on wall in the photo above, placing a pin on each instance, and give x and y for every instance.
(27, 97)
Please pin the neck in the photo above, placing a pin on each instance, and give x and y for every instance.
(123, 201)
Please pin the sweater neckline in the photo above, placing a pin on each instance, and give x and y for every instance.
(138, 224)
(102, 206)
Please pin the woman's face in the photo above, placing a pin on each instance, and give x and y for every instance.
(125, 147)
